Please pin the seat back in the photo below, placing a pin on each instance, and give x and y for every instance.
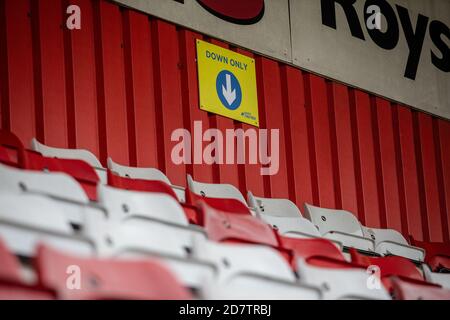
(224, 226)
(273, 207)
(9, 266)
(58, 185)
(405, 289)
(381, 235)
(437, 253)
(125, 204)
(11, 148)
(328, 220)
(137, 173)
(388, 266)
(318, 252)
(212, 190)
(343, 283)
(74, 154)
(86, 279)
(26, 220)
(140, 185)
(238, 261)
(78, 169)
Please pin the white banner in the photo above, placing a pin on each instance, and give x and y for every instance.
(398, 49)
(340, 40)
(269, 34)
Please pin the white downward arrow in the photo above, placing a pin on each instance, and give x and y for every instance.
(228, 93)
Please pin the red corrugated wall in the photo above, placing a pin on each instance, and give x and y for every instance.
(125, 81)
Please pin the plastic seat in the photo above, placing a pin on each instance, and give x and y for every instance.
(19, 291)
(12, 149)
(250, 272)
(123, 205)
(232, 206)
(405, 289)
(140, 185)
(437, 253)
(74, 154)
(56, 184)
(391, 242)
(315, 251)
(389, 267)
(442, 279)
(4, 156)
(107, 279)
(135, 238)
(337, 284)
(144, 174)
(71, 199)
(212, 190)
(78, 169)
(284, 216)
(223, 226)
(9, 266)
(12, 286)
(26, 220)
(339, 225)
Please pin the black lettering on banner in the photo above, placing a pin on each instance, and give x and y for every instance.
(414, 39)
(389, 39)
(329, 16)
(437, 30)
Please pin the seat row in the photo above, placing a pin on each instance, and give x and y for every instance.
(108, 221)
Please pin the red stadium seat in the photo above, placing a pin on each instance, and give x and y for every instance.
(140, 185)
(4, 156)
(144, 174)
(11, 284)
(389, 266)
(318, 252)
(407, 289)
(13, 148)
(106, 279)
(9, 266)
(437, 253)
(215, 190)
(78, 169)
(284, 216)
(222, 204)
(224, 226)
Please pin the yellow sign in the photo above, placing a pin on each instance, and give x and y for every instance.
(227, 83)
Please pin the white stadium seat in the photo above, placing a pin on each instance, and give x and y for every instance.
(213, 190)
(144, 174)
(250, 272)
(284, 216)
(57, 185)
(392, 242)
(27, 220)
(339, 225)
(134, 238)
(442, 279)
(338, 284)
(77, 154)
(122, 205)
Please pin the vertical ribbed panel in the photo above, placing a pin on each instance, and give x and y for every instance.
(125, 81)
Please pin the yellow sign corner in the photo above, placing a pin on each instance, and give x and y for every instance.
(227, 83)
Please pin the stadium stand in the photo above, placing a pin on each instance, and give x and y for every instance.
(150, 243)
(144, 174)
(284, 216)
(73, 154)
(437, 254)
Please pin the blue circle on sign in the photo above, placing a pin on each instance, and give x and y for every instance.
(229, 90)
